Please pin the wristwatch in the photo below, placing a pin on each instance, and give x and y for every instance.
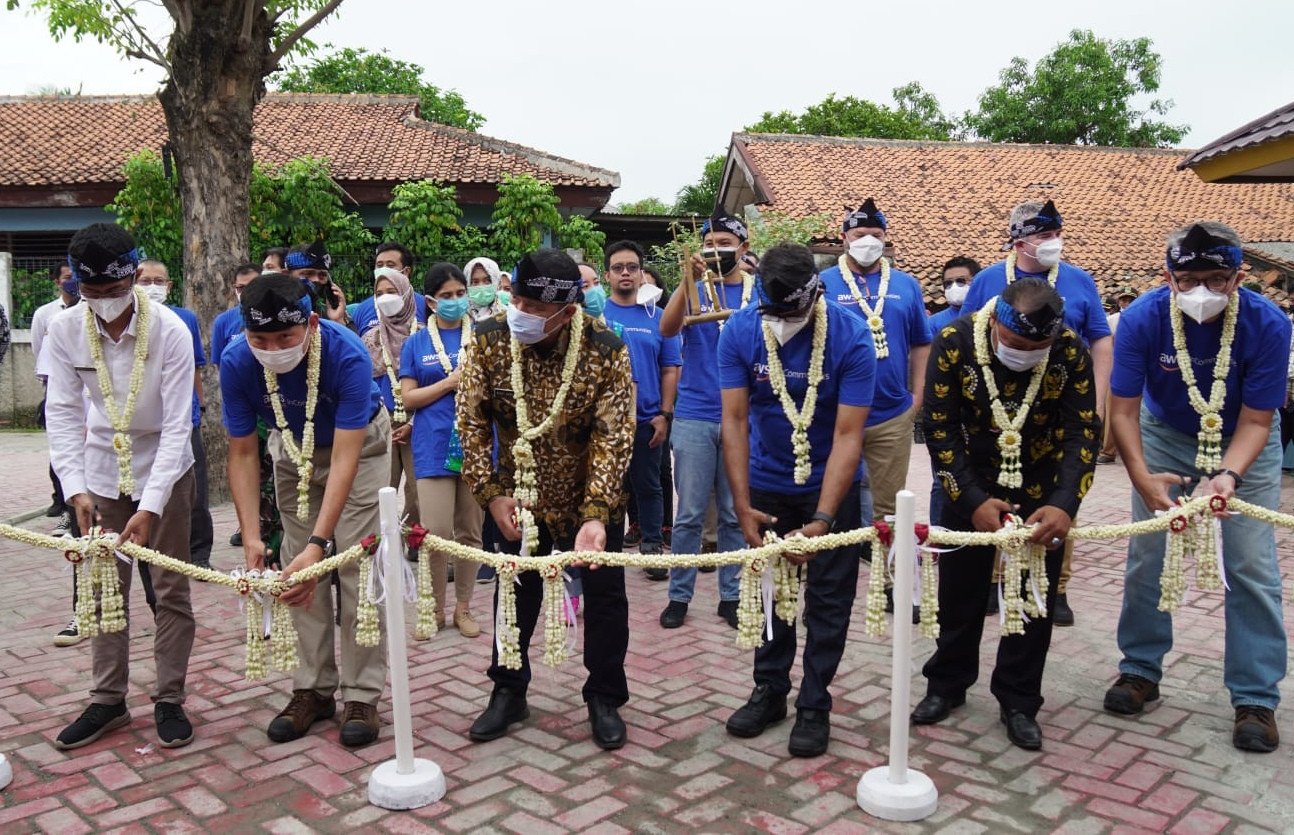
(325, 545)
(669, 416)
(823, 517)
(1235, 476)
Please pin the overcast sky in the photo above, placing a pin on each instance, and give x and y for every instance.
(650, 89)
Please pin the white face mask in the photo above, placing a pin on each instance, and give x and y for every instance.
(649, 294)
(785, 328)
(109, 310)
(389, 304)
(1018, 360)
(1047, 253)
(527, 327)
(283, 360)
(156, 293)
(1201, 303)
(866, 250)
(956, 294)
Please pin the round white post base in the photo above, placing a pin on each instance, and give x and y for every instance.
(910, 801)
(390, 789)
(6, 772)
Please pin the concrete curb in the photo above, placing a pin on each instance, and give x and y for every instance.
(24, 517)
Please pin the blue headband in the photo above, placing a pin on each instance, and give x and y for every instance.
(1200, 250)
(1038, 326)
(123, 266)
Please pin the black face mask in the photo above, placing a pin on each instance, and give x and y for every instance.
(723, 261)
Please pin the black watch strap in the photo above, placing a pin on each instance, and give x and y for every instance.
(326, 545)
(1235, 476)
(823, 517)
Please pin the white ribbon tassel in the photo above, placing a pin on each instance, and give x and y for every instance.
(377, 584)
(766, 589)
(1217, 547)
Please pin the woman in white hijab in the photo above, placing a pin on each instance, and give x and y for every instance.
(485, 299)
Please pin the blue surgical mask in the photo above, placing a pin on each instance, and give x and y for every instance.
(451, 310)
(595, 301)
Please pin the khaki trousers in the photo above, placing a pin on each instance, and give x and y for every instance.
(887, 449)
(451, 512)
(402, 466)
(173, 638)
(363, 669)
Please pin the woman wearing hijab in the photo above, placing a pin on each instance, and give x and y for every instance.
(397, 319)
(483, 295)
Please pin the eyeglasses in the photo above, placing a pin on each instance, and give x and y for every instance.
(1216, 283)
(627, 269)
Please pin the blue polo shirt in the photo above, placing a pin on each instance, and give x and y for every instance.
(433, 423)
(190, 320)
(1145, 362)
(945, 317)
(648, 352)
(698, 385)
(348, 397)
(906, 325)
(365, 315)
(226, 326)
(849, 377)
(1084, 313)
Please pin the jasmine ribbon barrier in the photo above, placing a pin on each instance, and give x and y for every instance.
(1191, 528)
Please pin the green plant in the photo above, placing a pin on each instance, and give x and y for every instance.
(580, 233)
(524, 215)
(149, 206)
(774, 228)
(423, 213)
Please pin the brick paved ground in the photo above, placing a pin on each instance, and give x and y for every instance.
(1173, 770)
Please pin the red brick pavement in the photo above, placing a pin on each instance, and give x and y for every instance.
(1173, 770)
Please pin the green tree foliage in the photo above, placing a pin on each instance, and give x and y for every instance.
(423, 214)
(915, 115)
(645, 206)
(360, 71)
(699, 198)
(1082, 93)
(580, 233)
(149, 206)
(467, 243)
(525, 212)
(775, 228)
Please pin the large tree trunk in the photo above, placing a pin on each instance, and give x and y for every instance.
(216, 82)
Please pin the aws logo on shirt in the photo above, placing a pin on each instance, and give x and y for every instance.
(760, 370)
(432, 359)
(848, 298)
(1168, 363)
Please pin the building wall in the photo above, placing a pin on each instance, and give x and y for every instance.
(20, 391)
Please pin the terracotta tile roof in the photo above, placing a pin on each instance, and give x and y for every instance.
(52, 141)
(952, 198)
(1270, 127)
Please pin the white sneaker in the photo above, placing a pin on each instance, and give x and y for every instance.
(69, 636)
(64, 526)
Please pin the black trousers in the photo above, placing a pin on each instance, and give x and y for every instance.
(201, 532)
(965, 582)
(606, 621)
(829, 583)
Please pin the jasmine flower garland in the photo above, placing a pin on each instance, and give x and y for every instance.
(399, 415)
(802, 417)
(1208, 455)
(1011, 440)
(1010, 270)
(875, 320)
(120, 418)
(301, 456)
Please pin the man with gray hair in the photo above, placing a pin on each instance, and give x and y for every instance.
(1171, 343)
(1035, 240)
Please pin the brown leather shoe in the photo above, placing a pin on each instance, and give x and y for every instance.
(1255, 729)
(467, 625)
(1129, 694)
(306, 708)
(359, 724)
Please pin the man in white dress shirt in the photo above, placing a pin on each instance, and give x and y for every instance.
(154, 510)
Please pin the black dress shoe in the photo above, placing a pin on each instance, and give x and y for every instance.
(1061, 614)
(1022, 730)
(811, 733)
(608, 727)
(507, 708)
(764, 708)
(991, 609)
(673, 615)
(935, 708)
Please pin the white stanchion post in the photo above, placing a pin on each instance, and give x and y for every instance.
(6, 772)
(405, 782)
(896, 792)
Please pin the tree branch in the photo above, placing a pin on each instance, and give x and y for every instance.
(301, 30)
(249, 15)
(133, 33)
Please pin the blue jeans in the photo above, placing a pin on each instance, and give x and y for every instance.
(644, 477)
(1255, 634)
(699, 474)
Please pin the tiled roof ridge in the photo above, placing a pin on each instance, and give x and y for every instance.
(542, 159)
(867, 141)
(271, 97)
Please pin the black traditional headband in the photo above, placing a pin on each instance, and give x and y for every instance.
(725, 223)
(865, 215)
(1047, 219)
(1202, 250)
